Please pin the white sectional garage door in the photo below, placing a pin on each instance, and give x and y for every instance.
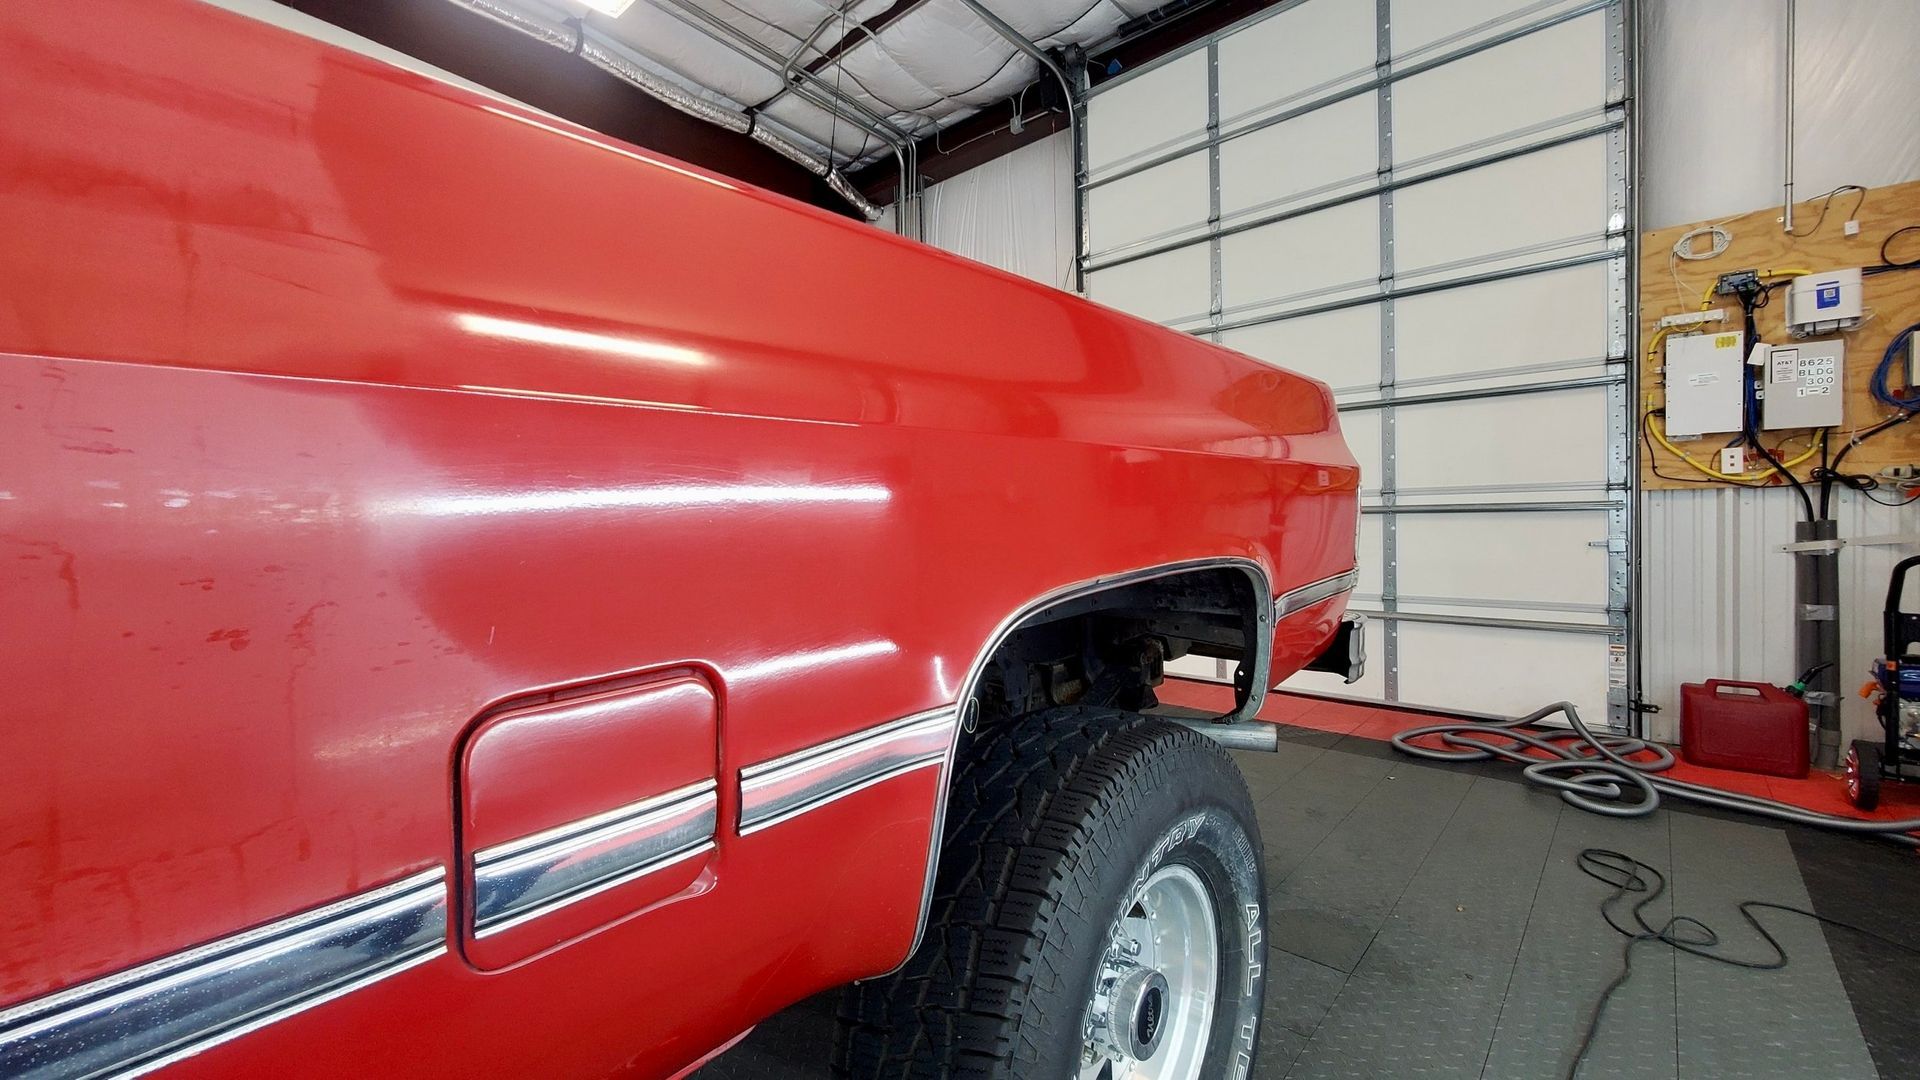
(1425, 205)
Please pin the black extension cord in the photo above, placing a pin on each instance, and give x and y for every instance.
(1682, 933)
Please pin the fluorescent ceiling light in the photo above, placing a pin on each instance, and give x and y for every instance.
(611, 8)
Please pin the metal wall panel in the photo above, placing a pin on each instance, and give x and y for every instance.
(1718, 593)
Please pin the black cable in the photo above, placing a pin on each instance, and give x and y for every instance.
(1825, 475)
(1891, 421)
(1868, 494)
(1887, 262)
(1812, 671)
(1829, 473)
(1747, 305)
(1828, 201)
(1653, 459)
(1682, 933)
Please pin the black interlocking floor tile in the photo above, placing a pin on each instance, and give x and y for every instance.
(1429, 920)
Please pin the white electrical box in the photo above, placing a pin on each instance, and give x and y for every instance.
(1705, 390)
(1804, 385)
(1824, 303)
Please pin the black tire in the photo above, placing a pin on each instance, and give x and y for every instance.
(1863, 773)
(1054, 823)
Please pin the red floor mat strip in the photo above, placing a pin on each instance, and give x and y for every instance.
(1820, 791)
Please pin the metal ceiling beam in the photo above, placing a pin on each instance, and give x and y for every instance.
(814, 90)
(1076, 125)
(868, 28)
(983, 136)
(857, 31)
(805, 83)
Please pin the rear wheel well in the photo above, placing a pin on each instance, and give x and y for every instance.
(1108, 648)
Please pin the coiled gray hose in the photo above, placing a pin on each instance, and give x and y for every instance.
(1593, 772)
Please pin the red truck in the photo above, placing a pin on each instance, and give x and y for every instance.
(479, 599)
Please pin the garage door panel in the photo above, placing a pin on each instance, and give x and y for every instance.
(1529, 88)
(1362, 432)
(1340, 348)
(1499, 670)
(1471, 338)
(1294, 56)
(1263, 172)
(1164, 288)
(1145, 115)
(1554, 438)
(1371, 545)
(1519, 212)
(1423, 29)
(1160, 203)
(1534, 558)
(1321, 256)
(1547, 322)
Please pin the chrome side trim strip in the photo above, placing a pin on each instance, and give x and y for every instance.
(144, 1018)
(526, 878)
(775, 791)
(1304, 597)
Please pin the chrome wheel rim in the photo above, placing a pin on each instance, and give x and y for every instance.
(1153, 1000)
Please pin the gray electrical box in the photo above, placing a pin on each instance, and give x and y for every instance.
(1706, 392)
(1804, 385)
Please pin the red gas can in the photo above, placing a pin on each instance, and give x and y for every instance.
(1753, 727)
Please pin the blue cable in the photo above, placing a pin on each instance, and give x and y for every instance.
(1882, 389)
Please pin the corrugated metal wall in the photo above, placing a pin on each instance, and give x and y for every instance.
(1718, 593)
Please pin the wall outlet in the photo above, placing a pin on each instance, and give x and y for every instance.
(1733, 459)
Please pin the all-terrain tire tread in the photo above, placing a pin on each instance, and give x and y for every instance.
(1036, 807)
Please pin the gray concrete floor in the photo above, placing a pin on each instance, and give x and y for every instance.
(1430, 921)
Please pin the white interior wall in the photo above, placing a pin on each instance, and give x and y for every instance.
(1713, 116)
(1015, 212)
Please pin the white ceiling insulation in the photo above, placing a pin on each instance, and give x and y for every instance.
(929, 66)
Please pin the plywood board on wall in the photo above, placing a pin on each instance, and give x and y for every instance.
(1759, 242)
